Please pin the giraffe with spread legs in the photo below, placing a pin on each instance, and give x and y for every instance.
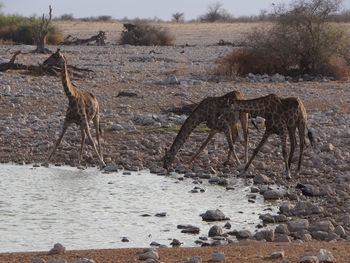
(282, 117)
(215, 112)
(82, 108)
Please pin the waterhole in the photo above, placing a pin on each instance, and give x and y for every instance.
(85, 209)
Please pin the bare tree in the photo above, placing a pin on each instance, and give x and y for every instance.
(178, 17)
(215, 13)
(40, 32)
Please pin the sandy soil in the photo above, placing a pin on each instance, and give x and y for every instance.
(32, 109)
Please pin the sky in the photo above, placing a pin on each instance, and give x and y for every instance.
(131, 9)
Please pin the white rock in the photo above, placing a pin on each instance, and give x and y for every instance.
(325, 256)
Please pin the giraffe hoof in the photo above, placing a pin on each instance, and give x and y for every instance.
(102, 165)
(45, 164)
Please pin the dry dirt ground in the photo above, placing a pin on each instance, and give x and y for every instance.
(32, 118)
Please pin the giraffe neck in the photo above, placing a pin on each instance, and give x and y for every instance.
(191, 122)
(259, 107)
(68, 87)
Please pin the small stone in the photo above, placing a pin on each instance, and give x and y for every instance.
(261, 179)
(243, 234)
(273, 194)
(195, 259)
(152, 254)
(324, 256)
(218, 257)
(53, 260)
(277, 255)
(84, 260)
(175, 243)
(57, 249)
(162, 214)
(339, 230)
(125, 239)
(297, 225)
(215, 231)
(213, 215)
(37, 260)
(307, 258)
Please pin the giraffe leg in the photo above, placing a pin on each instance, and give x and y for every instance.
(64, 129)
(257, 149)
(96, 121)
(244, 124)
(210, 136)
(87, 130)
(301, 130)
(83, 136)
(283, 137)
(293, 142)
(231, 141)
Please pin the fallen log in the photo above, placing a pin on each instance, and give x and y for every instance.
(38, 69)
(99, 39)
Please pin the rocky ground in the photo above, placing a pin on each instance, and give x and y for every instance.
(137, 127)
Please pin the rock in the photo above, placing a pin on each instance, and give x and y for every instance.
(307, 258)
(111, 168)
(195, 259)
(53, 260)
(37, 260)
(213, 215)
(327, 147)
(339, 230)
(189, 229)
(218, 257)
(303, 208)
(84, 260)
(282, 229)
(325, 226)
(277, 255)
(243, 234)
(324, 256)
(298, 224)
(261, 179)
(215, 231)
(162, 214)
(319, 235)
(150, 254)
(227, 225)
(125, 239)
(267, 235)
(267, 218)
(57, 249)
(282, 238)
(273, 194)
(175, 243)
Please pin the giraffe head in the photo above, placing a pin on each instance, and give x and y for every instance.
(168, 159)
(55, 60)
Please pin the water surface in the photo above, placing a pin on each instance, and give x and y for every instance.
(84, 209)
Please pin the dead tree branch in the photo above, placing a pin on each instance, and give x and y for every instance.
(41, 32)
(99, 40)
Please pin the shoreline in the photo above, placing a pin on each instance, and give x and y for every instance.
(248, 251)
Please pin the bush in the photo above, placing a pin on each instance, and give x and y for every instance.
(216, 14)
(301, 41)
(244, 61)
(143, 34)
(18, 29)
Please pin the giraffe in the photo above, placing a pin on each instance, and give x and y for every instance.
(82, 108)
(282, 117)
(215, 112)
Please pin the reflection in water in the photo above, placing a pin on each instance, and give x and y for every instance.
(88, 209)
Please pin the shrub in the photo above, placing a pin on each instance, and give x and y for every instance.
(143, 34)
(301, 41)
(18, 29)
(178, 17)
(244, 61)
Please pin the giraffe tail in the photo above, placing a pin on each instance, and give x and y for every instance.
(310, 136)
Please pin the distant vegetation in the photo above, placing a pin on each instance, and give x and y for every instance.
(143, 34)
(301, 41)
(19, 29)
